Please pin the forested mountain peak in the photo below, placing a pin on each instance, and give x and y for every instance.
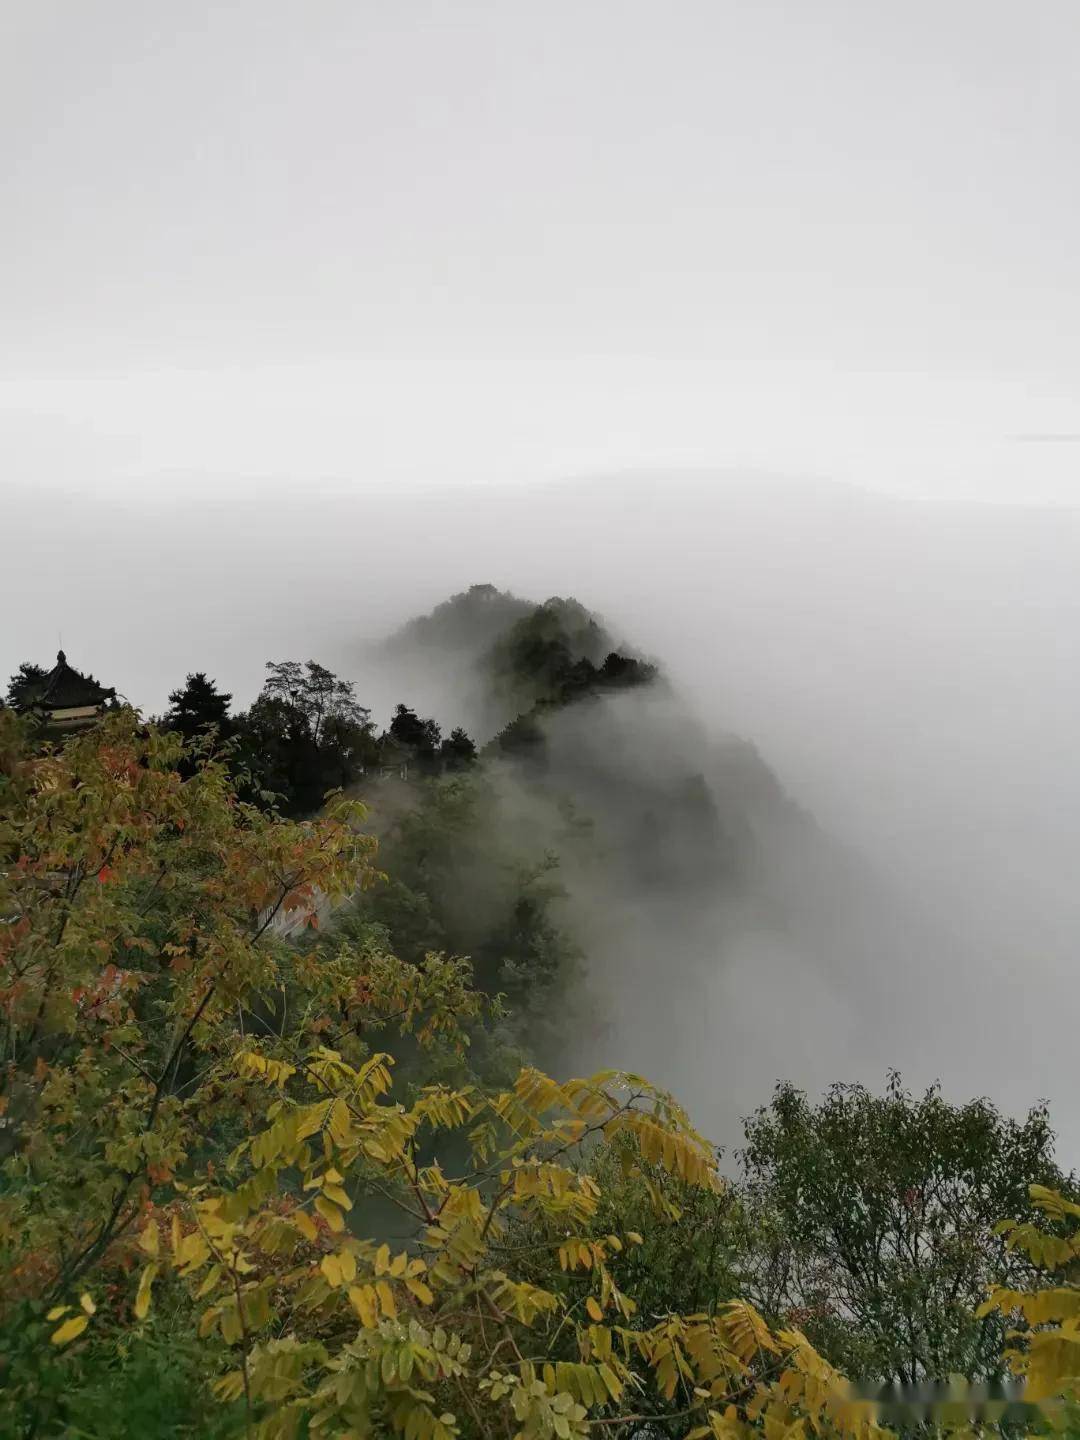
(485, 658)
(469, 621)
(687, 871)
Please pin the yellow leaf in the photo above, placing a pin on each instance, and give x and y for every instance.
(1052, 1202)
(611, 1380)
(191, 1252)
(230, 1387)
(745, 1331)
(57, 1311)
(69, 1330)
(213, 1275)
(304, 1223)
(595, 1313)
(148, 1240)
(420, 1290)
(142, 1298)
(340, 1122)
(386, 1299)
(87, 1303)
(231, 1329)
(363, 1302)
(331, 1214)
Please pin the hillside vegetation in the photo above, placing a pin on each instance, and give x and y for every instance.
(343, 1184)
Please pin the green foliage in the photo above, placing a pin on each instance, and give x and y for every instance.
(457, 751)
(25, 684)
(149, 1383)
(523, 739)
(558, 654)
(540, 650)
(460, 880)
(313, 696)
(872, 1224)
(466, 624)
(305, 735)
(692, 1243)
(421, 737)
(419, 744)
(198, 706)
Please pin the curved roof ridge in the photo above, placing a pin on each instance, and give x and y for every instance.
(68, 688)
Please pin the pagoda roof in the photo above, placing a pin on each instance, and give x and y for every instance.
(66, 688)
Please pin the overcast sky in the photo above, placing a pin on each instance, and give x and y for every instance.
(442, 242)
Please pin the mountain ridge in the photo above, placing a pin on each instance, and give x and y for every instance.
(687, 860)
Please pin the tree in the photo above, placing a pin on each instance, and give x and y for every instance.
(25, 684)
(314, 695)
(137, 906)
(873, 1219)
(559, 654)
(197, 707)
(457, 751)
(422, 737)
(525, 739)
(305, 735)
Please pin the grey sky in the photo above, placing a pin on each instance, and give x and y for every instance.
(509, 241)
